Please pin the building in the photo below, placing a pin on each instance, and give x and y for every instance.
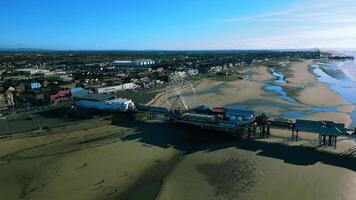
(239, 115)
(78, 92)
(104, 103)
(324, 128)
(1, 86)
(192, 72)
(61, 95)
(10, 96)
(33, 85)
(122, 87)
(20, 88)
(178, 75)
(320, 126)
(144, 63)
(35, 97)
(3, 104)
(31, 71)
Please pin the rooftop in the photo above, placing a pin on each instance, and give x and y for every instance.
(120, 100)
(32, 70)
(322, 127)
(94, 97)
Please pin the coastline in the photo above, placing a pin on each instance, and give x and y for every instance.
(307, 97)
(340, 76)
(317, 93)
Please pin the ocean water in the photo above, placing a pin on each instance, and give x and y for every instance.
(348, 68)
(341, 76)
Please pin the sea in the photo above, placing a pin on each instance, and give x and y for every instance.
(341, 77)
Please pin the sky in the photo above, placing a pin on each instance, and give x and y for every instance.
(177, 24)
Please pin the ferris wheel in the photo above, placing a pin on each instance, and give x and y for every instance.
(180, 95)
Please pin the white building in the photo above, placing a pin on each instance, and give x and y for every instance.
(122, 87)
(178, 75)
(192, 72)
(104, 103)
(10, 96)
(133, 63)
(32, 71)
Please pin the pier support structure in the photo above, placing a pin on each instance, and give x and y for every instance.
(332, 140)
(262, 131)
(295, 134)
(265, 130)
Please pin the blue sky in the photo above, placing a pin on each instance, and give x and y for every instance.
(177, 24)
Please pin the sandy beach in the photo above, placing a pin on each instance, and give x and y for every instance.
(310, 93)
(237, 172)
(120, 159)
(130, 160)
(98, 162)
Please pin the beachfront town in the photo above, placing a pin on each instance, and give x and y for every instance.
(112, 83)
(33, 79)
(116, 120)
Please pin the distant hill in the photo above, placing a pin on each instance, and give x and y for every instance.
(23, 49)
(159, 51)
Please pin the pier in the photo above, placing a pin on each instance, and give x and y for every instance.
(213, 120)
(256, 127)
(328, 131)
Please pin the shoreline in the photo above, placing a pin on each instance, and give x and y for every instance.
(343, 84)
(307, 97)
(318, 93)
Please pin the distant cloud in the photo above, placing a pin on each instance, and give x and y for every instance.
(317, 23)
(261, 16)
(326, 11)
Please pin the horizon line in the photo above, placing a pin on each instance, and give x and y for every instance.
(225, 49)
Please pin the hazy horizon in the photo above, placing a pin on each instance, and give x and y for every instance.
(30, 49)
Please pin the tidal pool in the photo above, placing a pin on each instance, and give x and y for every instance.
(280, 77)
(282, 94)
